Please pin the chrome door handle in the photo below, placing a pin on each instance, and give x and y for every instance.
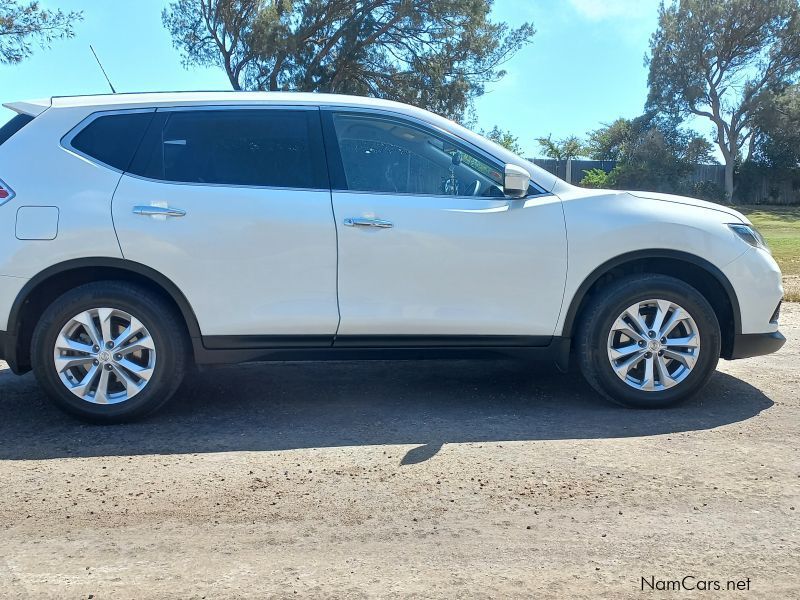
(158, 211)
(364, 222)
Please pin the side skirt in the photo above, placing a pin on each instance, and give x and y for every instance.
(210, 350)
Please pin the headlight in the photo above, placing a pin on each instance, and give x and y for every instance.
(749, 234)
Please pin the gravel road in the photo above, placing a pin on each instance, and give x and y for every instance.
(407, 479)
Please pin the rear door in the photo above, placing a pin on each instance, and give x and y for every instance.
(233, 205)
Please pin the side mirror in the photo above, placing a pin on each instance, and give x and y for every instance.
(516, 181)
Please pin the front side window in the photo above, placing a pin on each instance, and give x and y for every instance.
(382, 154)
(250, 147)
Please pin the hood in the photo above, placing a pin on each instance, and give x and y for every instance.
(691, 202)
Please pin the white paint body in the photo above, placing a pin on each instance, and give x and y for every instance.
(260, 261)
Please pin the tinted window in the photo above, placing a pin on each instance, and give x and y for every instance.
(113, 139)
(266, 148)
(386, 155)
(13, 126)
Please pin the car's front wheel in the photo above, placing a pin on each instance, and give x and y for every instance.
(648, 341)
(109, 351)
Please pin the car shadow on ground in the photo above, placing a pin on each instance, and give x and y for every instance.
(263, 407)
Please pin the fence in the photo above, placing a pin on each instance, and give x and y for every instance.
(572, 171)
(764, 189)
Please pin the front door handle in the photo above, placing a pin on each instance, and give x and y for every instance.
(364, 222)
(158, 211)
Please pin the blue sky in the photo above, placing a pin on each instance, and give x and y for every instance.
(584, 68)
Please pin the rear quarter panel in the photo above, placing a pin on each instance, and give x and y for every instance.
(42, 173)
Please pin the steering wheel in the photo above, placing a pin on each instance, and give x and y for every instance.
(476, 188)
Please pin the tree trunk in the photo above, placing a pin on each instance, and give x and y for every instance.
(730, 163)
(730, 153)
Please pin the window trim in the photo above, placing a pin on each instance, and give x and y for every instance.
(331, 155)
(67, 138)
(336, 170)
(66, 141)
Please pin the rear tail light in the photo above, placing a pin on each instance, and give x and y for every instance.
(6, 193)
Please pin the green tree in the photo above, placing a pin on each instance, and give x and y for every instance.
(437, 54)
(610, 141)
(776, 137)
(716, 58)
(623, 140)
(504, 138)
(565, 149)
(652, 153)
(23, 25)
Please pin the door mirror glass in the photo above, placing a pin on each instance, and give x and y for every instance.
(516, 181)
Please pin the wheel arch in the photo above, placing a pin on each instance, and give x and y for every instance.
(687, 267)
(42, 289)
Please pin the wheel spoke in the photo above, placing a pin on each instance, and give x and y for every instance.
(82, 389)
(87, 320)
(689, 341)
(664, 376)
(66, 344)
(105, 315)
(686, 358)
(101, 393)
(632, 312)
(145, 343)
(131, 330)
(676, 317)
(67, 362)
(131, 387)
(662, 308)
(138, 370)
(626, 365)
(648, 382)
(617, 353)
(623, 327)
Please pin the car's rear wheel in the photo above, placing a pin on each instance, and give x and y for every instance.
(648, 341)
(109, 351)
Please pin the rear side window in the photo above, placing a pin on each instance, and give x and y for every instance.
(113, 139)
(250, 147)
(13, 126)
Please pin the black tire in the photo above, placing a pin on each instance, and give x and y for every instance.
(609, 303)
(161, 320)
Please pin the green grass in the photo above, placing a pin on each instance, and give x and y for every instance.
(780, 226)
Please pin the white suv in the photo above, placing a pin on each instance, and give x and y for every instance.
(142, 233)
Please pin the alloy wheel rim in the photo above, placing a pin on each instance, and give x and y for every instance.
(104, 356)
(653, 345)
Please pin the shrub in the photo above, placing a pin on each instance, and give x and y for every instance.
(707, 190)
(595, 178)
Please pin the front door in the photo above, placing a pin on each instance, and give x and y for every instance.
(233, 205)
(429, 246)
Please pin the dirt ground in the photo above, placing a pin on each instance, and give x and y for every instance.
(438, 479)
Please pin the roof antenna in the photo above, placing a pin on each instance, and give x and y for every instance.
(113, 91)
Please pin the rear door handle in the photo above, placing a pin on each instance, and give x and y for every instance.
(364, 222)
(158, 211)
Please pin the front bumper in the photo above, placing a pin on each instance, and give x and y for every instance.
(746, 345)
(756, 280)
